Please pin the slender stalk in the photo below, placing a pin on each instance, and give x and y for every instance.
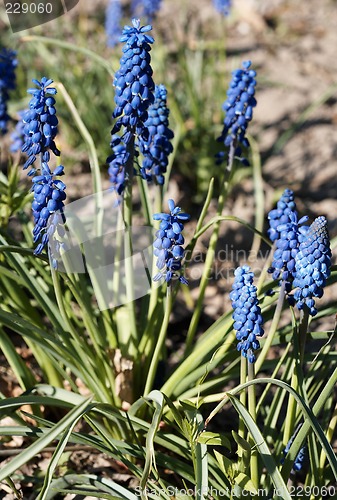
(160, 342)
(243, 394)
(210, 252)
(297, 376)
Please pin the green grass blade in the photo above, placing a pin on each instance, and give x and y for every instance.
(263, 449)
(158, 400)
(43, 441)
(55, 459)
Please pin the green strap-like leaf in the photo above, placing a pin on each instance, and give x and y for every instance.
(268, 460)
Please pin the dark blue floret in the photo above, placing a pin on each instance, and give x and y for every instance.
(40, 123)
(287, 234)
(168, 244)
(134, 94)
(146, 8)
(313, 263)
(113, 17)
(8, 63)
(239, 110)
(117, 162)
(247, 313)
(223, 6)
(18, 135)
(133, 81)
(158, 146)
(49, 195)
(301, 456)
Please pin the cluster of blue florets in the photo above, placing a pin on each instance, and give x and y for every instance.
(301, 456)
(40, 129)
(117, 161)
(8, 63)
(146, 8)
(302, 257)
(168, 244)
(40, 123)
(247, 313)
(113, 17)
(223, 6)
(286, 233)
(313, 263)
(158, 146)
(239, 110)
(133, 81)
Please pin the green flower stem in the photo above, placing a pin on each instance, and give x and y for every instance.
(243, 395)
(273, 329)
(329, 435)
(127, 206)
(160, 343)
(254, 460)
(211, 251)
(297, 376)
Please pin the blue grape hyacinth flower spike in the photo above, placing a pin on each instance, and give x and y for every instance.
(238, 107)
(113, 17)
(286, 232)
(40, 129)
(158, 147)
(301, 456)
(223, 6)
(168, 245)
(18, 134)
(146, 8)
(49, 195)
(246, 313)
(8, 64)
(312, 265)
(133, 81)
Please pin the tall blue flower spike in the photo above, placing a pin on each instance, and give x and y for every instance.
(168, 244)
(223, 6)
(286, 233)
(113, 17)
(8, 63)
(238, 107)
(312, 265)
(247, 313)
(40, 129)
(134, 94)
(158, 146)
(146, 8)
